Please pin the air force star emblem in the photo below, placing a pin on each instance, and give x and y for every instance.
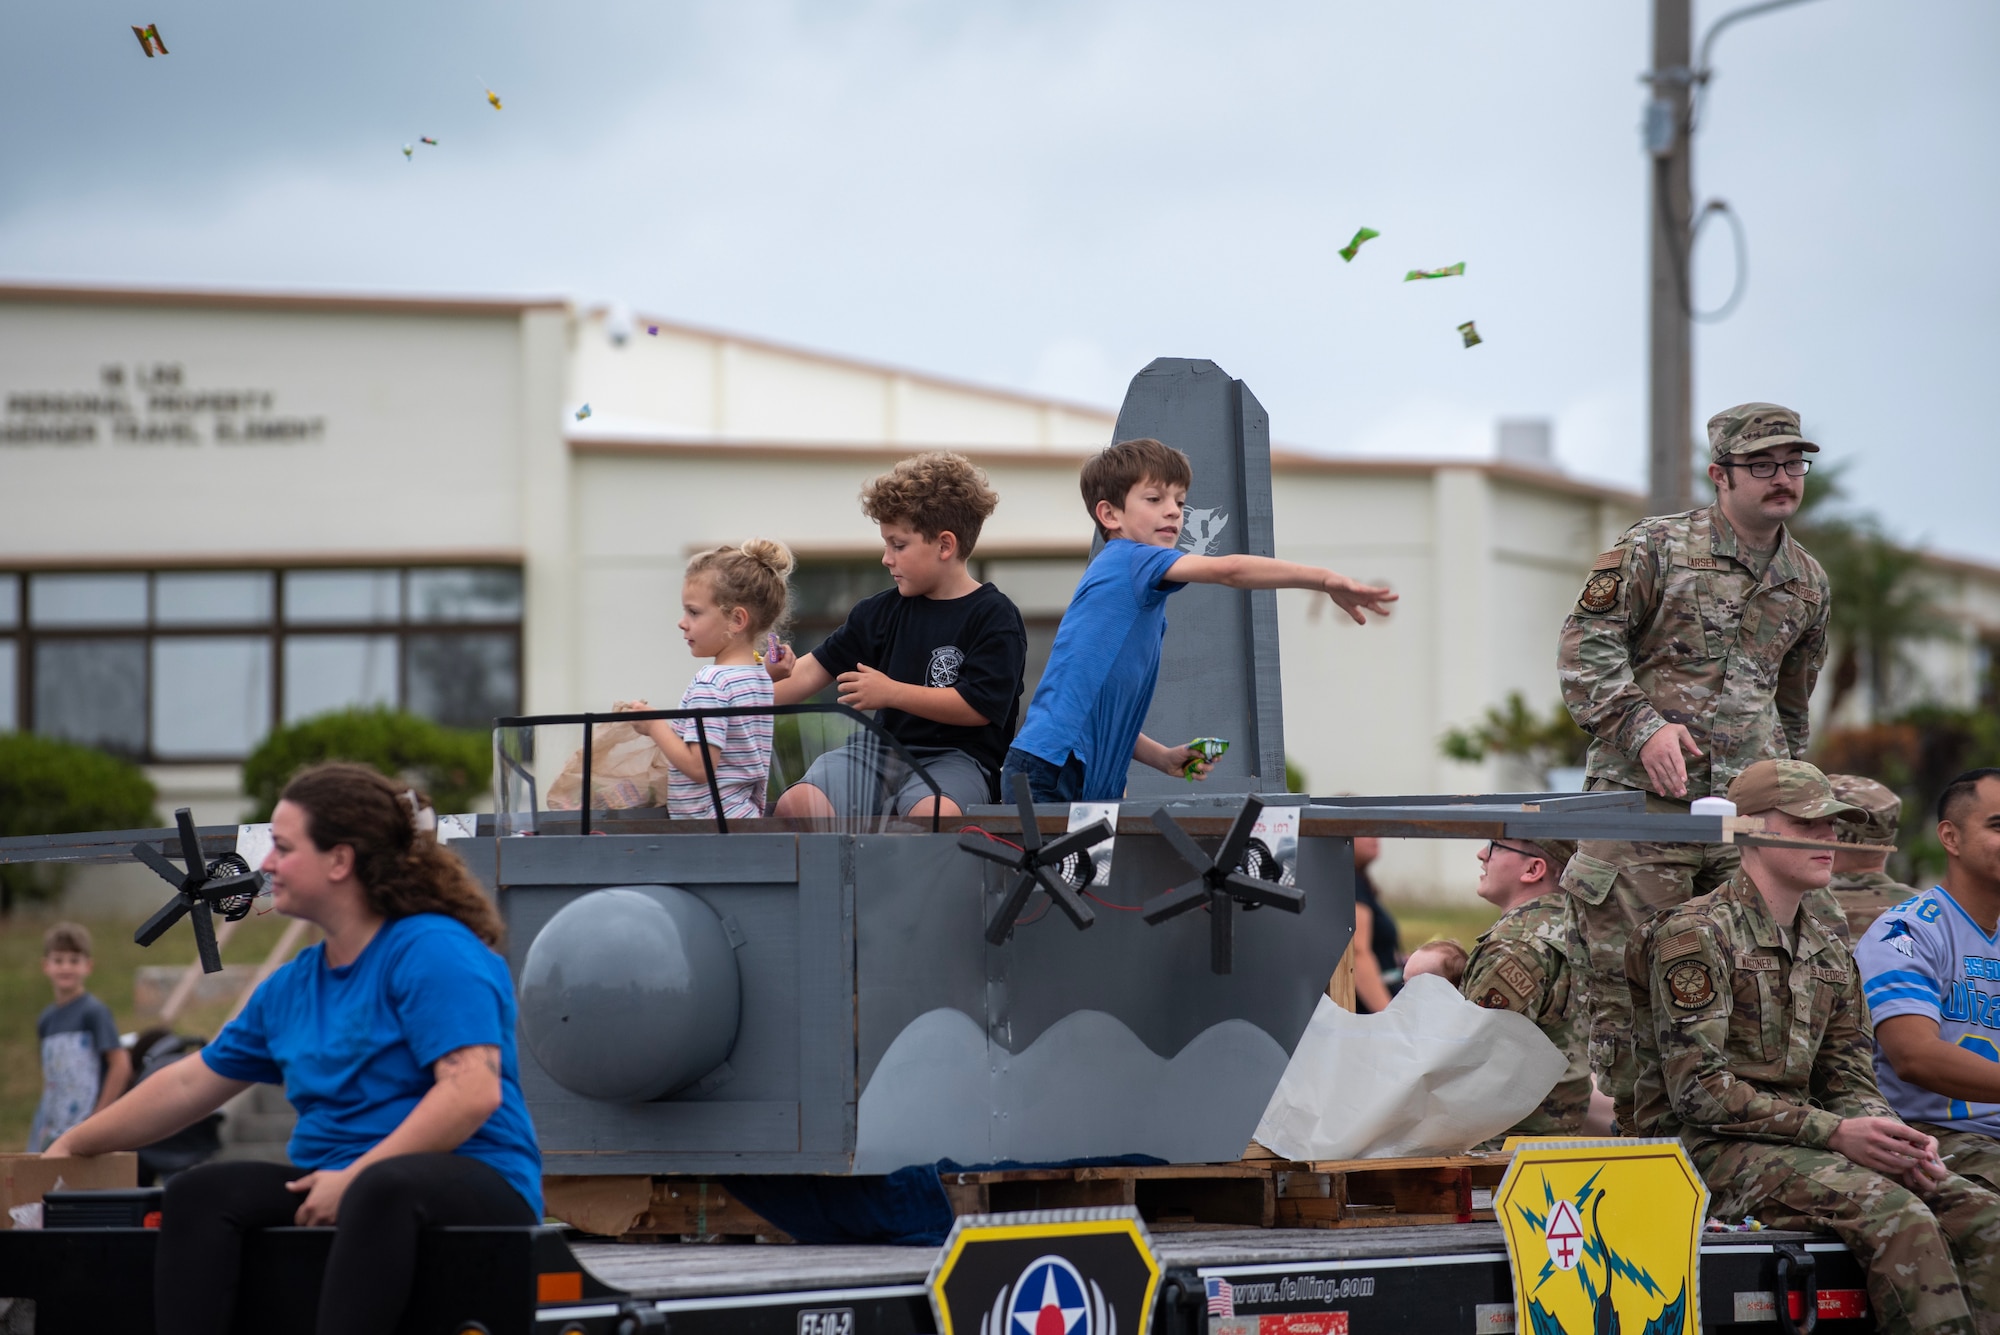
(1049, 1299)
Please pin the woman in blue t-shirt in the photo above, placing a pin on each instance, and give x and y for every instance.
(394, 1039)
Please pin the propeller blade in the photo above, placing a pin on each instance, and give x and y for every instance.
(1289, 898)
(1178, 840)
(1024, 800)
(1053, 852)
(164, 869)
(205, 944)
(1230, 856)
(1176, 901)
(1001, 926)
(1221, 934)
(1066, 899)
(191, 848)
(982, 847)
(155, 927)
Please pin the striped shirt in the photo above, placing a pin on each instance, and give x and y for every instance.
(744, 741)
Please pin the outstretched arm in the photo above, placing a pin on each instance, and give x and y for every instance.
(1264, 572)
(466, 1093)
(175, 1098)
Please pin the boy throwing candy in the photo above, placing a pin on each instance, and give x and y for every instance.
(1083, 726)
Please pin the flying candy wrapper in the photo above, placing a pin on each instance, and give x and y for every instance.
(1470, 335)
(1208, 749)
(1365, 234)
(1449, 271)
(407, 150)
(494, 98)
(427, 140)
(652, 329)
(583, 412)
(149, 39)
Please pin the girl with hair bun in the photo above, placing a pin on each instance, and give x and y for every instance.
(394, 1039)
(731, 601)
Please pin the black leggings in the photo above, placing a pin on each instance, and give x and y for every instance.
(374, 1261)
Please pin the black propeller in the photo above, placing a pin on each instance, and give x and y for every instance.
(1220, 883)
(226, 885)
(1039, 865)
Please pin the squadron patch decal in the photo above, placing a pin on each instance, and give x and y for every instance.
(1496, 1000)
(1600, 591)
(1691, 984)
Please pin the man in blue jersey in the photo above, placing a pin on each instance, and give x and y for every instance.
(1931, 969)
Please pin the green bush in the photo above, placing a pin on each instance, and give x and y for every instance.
(1517, 730)
(453, 765)
(53, 787)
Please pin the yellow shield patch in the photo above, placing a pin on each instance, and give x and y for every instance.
(1601, 1228)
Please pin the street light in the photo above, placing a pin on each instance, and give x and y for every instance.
(1667, 132)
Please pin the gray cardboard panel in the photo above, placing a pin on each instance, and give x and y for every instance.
(640, 859)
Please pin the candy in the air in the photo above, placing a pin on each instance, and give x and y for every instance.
(652, 329)
(427, 140)
(1449, 271)
(149, 40)
(583, 412)
(407, 151)
(494, 98)
(1469, 334)
(1207, 750)
(1365, 234)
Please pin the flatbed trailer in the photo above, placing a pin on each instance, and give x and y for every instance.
(1447, 1278)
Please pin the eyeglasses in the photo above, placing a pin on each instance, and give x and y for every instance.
(1494, 845)
(1768, 468)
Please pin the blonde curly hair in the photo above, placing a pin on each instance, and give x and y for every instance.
(750, 576)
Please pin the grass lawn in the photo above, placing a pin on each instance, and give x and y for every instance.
(24, 992)
(1425, 922)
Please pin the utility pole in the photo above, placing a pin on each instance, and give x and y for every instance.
(1670, 325)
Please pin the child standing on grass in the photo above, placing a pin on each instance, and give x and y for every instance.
(83, 1065)
(732, 598)
(1082, 731)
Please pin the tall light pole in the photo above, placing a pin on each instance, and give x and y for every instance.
(1677, 77)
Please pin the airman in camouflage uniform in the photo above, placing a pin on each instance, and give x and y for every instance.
(1530, 961)
(1864, 895)
(1683, 623)
(1754, 1049)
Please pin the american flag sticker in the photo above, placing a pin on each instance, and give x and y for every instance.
(1221, 1297)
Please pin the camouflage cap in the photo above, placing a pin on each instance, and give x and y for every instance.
(1884, 809)
(1790, 786)
(1749, 427)
(1558, 851)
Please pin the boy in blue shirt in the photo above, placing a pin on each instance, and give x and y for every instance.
(1083, 725)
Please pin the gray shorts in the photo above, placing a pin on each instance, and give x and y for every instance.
(865, 780)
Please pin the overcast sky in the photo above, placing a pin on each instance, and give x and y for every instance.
(1045, 194)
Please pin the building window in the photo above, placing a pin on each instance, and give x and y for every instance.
(199, 665)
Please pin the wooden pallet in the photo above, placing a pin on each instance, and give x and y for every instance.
(1385, 1193)
(1263, 1192)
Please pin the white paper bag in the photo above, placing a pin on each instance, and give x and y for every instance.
(1433, 1074)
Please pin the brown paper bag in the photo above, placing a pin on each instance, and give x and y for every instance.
(25, 1178)
(627, 769)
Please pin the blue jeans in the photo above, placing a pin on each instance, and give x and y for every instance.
(1047, 782)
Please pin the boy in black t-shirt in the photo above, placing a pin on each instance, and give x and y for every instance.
(939, 658)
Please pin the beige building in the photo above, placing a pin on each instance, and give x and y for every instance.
(220, 512)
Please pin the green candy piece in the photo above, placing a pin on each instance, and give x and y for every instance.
(1469, 334)
(1449, 271)
(1365, 234)
(1209, 749)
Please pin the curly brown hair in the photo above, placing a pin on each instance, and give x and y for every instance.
(402, 870)
(937, 492)
(1111, 473)
(751, 577)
